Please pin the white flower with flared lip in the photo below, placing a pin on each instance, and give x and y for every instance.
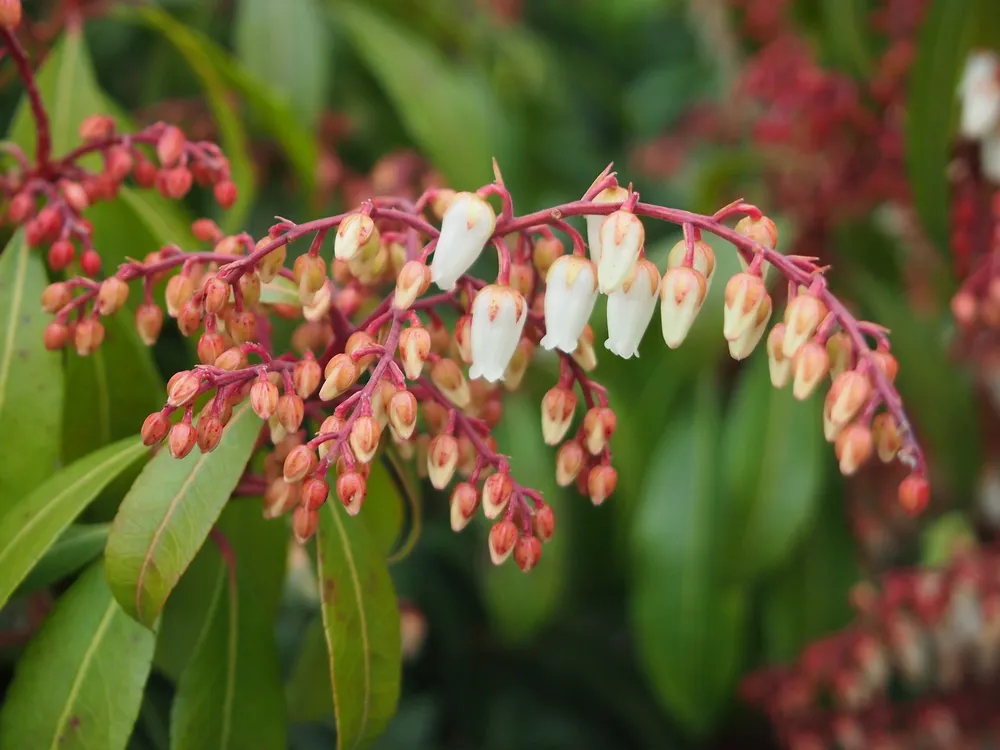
(622, 236)
(570, 295)
(466, 227)
(608, 195)
(498, 317)
(631, 308)
(979, 91)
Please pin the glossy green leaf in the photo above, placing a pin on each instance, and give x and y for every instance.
(808, 597)
(76, 547)
(299, 27)
(775, 466)
(31, 378)
(945, 39)
(79, 685)
(168, 513)
(688, 624)
(937, 396)
(518, 604)
(233, 136)
(846, 25)
(361, 624)
(450, 116)
(383, 509)
(230, 694)
(279, 291)
(309, 695)
(37, 521)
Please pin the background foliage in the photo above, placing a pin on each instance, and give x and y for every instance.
(726, 546)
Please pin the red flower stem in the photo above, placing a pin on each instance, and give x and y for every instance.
(43, 146)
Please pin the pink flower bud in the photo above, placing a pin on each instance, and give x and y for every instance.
(412, 282)
(55, 297)
(357, 237)
(211, 346)
(809, 366)
(174, 183)
(170, 146)
(570, 296)
(231, 359)
(216, 295)
(462, 339)
(332, 425)
(558, 406)
(209, 433)
(155, 428)
(914, 494)
(702, 260)
(447, 376)
(885, 432)
(225, 193)
(601, 483)
(180, 290)
(414, 348)
(358, 342)
(887, 363)
(527, 552)
(88, 336)
(803, 316)
(622, 237)
(341, 374)
(304, 524)
(544, 522)
(779, 366)
(616, 194)
(351, 491)
(503, 536)
(466, 226)
(183, 387)
(495, 326)
(75, 195)
(290, 412)
(310, 275)
(760, 229)
(547, 249)
(584, 354)
(56, 336)
(598, 426)
(497, 491)
(841, 353)
(271, 264)
(61, 254)
(299, 463)
(403, 413)
(745, 293)
(847, 396)
(365, 435)
(569, 461)
(306, 377)
(96, 128)
(264, 398)
(279, 498)
(682, 293)
(522, 278)
(250, 287)
(181, 440)
(148, 322)
(853, 448)
(464, 502)
(315, 490)
(742, 347)
(442, 459)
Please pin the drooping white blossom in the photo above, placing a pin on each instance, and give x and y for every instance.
(631, 308)
(570, 295)
(466, 227)
(609, 195)
(498, 317)
(979, 92)
(622, 237)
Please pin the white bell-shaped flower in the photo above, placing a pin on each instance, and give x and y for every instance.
(498, 317)
(631, 308)
(570, 295)
(622, 236)
(615, 194)
(466, 227)
(979, 91)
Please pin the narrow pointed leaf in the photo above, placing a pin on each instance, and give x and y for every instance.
(31, 378)
(77, 547)
(361, 624)
(688, 624)
(168, 513)
(309, 695)
(79, 685)
(230, 694)
(35, 523)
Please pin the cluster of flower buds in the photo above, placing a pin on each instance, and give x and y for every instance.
(50, 197)
(931, 636)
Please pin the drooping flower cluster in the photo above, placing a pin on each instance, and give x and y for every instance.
(918, 668)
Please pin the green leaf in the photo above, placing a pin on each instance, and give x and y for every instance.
(518, 604)
(775, 463)
(309, 695)
(79, 685)
(167, 515)
(231, 129)
(31, 378)
(938, 397)
(452, 117)
(230, 695)
(944, 41)
(279, 291)
(944, 537)
(846, 24)
(688, 624)
(78, 546)
(361, 623)
(35, 523)
(808, 597)
(287, 45)
(383, 509)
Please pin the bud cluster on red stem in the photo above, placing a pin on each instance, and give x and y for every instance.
(375, 364)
